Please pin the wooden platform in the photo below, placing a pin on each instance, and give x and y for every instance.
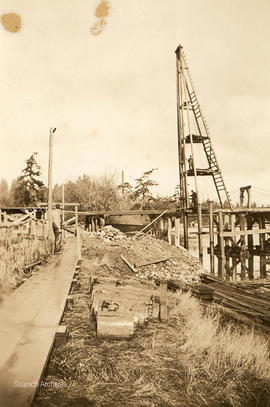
(29, 318)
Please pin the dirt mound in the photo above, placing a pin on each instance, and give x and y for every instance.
(153, 259)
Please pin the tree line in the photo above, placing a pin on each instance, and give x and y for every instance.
(92, 192)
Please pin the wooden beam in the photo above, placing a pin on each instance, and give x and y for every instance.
(131, 266)
(149, 224)
(169, 212)
(69, 221)
(153, 262)
(245, 232)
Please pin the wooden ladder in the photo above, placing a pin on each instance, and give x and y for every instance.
(193, 106)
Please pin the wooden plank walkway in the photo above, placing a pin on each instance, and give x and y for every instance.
(29, 318)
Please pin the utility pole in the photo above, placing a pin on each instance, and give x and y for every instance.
(52, 130)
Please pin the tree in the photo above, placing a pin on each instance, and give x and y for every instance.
(143, 185)
(30, 188)
(93, 193)
(4, 192)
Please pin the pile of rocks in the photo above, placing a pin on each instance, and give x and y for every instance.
(158, 260)
(169, 270)
(109, 234)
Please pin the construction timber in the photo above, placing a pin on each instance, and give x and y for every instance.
(238, 239)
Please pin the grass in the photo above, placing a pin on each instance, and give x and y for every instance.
(194, 360)
(15, 253)
(227, 364)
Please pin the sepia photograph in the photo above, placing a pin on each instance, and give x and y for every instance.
(134, 203)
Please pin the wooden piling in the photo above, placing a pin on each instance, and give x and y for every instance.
(234, 262)
(185, 226)
(261, 221)
(250, 248)
(243, 244)
(170, 230)
(221, 257)
(92, 224)
(102, 222)
(177, 232)
(211, 237)
(200, 236)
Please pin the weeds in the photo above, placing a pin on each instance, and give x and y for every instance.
(193, 361)
(16, 252)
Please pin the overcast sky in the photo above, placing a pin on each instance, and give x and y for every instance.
(112, 97)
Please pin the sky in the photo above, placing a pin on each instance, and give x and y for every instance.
(112, 96)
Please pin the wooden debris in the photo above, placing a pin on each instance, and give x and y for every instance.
(132, 267)
(70, 301)
(155, 312)
(203, 292)
(152, 262)
(61, 335)
(245, 301)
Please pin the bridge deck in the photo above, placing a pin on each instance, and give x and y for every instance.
(29, 318)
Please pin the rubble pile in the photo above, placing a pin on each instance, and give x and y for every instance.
(151, 259)
(167, 262)
(109, 234)
(169, 270)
